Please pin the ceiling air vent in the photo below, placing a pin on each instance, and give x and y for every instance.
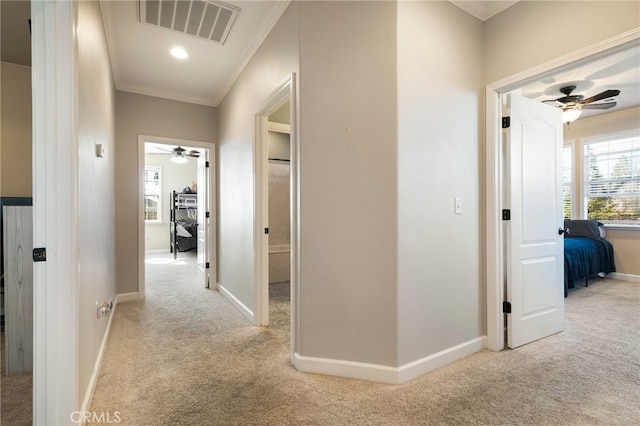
(210, 20)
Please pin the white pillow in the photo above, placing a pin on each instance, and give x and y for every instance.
(182, 232)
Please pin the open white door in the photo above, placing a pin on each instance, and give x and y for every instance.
(203, 219)
(535, 245)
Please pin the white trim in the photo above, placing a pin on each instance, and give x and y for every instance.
(273, 126)
(248, 313)
(127, 297)
(387, 374)
(211, 238)
(494, 252)
(432, 362)
(55, 190)
(93, 380)
(624, 277)
(282, 248)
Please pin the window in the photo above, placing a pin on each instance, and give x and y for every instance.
(612, 178)
(152, 192)
(567, 180)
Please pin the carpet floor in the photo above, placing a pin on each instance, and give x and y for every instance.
(184, 356)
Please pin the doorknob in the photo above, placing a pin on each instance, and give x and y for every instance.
(562, 231)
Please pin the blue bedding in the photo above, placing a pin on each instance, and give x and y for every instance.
(585, 257)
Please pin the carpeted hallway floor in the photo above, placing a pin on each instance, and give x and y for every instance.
(184, 356)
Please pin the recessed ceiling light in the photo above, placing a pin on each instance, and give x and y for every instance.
(179, 52)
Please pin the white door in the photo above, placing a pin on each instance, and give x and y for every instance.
(535, 247)
(203, 221)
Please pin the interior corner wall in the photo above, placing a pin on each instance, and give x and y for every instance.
(15, 131)
(531, 33)
(348, 182)
(440, 285)
(271, 65)
(146, 115)
(96, 179)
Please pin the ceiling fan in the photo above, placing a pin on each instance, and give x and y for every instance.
(572, 105)
(180, 154)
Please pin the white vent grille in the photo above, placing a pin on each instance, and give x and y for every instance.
(209, 20)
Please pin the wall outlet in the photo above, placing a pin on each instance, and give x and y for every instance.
(457, 205)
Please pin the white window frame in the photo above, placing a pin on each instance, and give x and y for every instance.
(157, 169)
(582, 166)
(574, 177)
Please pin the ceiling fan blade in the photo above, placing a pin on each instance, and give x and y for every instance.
(604, 95)
(194, 153)
(569, 99)
(605, 105)
(550, 101)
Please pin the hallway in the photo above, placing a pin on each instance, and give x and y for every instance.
(184, 356)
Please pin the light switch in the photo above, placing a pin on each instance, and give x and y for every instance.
(458, 205)
(99, 150)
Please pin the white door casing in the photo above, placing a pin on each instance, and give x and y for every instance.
(203, 221)
(535, 247)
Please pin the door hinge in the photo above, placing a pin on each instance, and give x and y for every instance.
(266, 230)
(206, 164)
(206, 215)
(506, 214)
(506, 122)
(206, 265)
(506, 307)
(39, 254)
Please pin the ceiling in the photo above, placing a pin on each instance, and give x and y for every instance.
(141, 61)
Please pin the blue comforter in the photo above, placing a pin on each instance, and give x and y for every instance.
(584, 258)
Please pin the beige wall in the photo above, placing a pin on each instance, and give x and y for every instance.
(440, 285)
(276, 59)
(15, 131)
(349, 181)
(146, 115)
(531, 33)
(96, 190)
(173, 177)
(626, 243)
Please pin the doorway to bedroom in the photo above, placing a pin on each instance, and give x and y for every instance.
(176, 211)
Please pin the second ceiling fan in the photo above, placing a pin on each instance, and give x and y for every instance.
(572, 105)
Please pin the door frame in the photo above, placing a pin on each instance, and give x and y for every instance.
(285, 92)
(211, 238)
(494, 257)
(56, 347)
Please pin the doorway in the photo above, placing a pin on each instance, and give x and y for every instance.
(279, 220)
(177, 238)
(276, 215)
(495, 257)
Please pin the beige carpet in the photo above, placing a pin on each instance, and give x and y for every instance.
(185, 357)
(16, 395)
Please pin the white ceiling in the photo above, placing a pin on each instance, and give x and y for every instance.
(484, 9)
(141, 61)
(620, 70)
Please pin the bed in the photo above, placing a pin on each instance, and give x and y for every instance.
(586, 252)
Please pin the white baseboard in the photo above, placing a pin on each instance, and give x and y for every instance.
(127, 297)
(624, 277)
(440, 359)
(93, 380)
(386, 374)
(248, 313)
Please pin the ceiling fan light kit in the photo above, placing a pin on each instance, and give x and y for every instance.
(572, 105)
